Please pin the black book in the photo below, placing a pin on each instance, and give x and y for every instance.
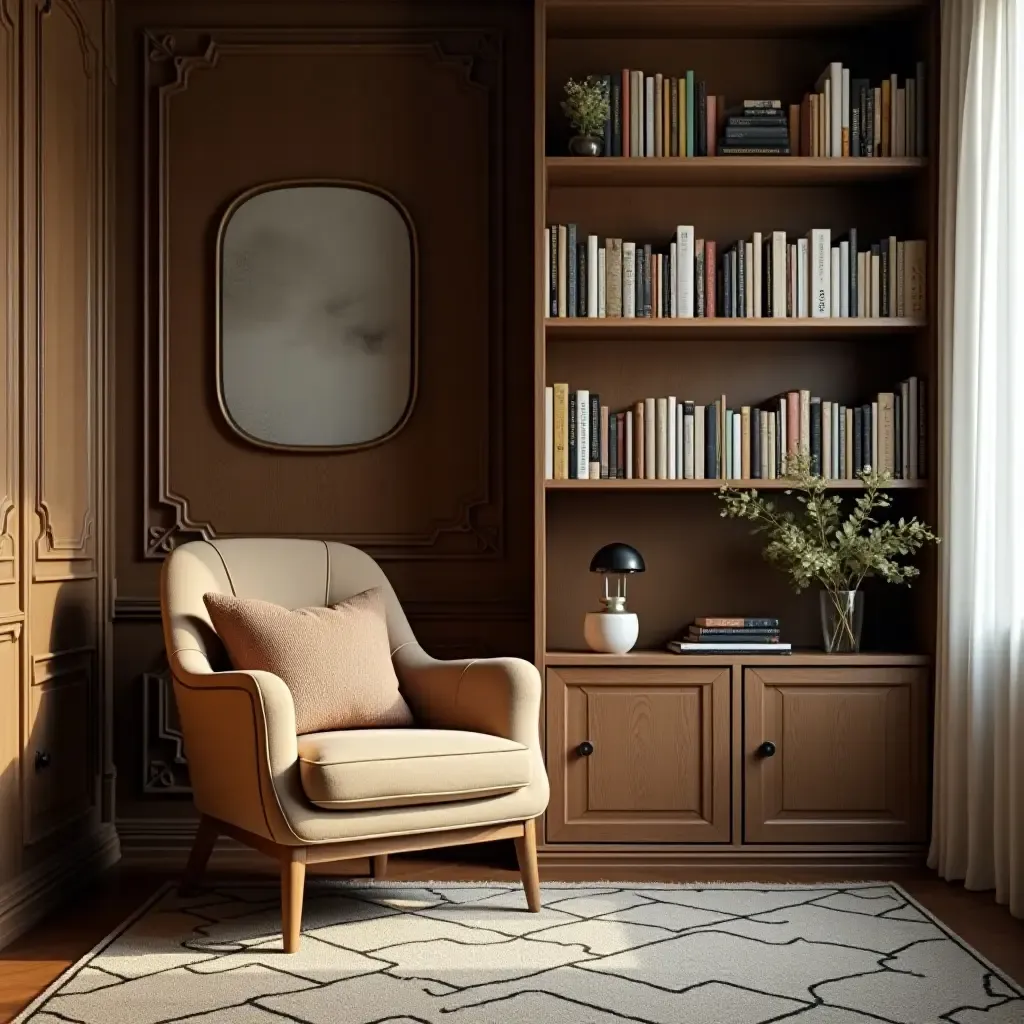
(570, 268)
(553, 283)
(615, 100)
(858, 437)
(710, 443)
(746, 121)
(730, 638)
(857, 87)
(572, 435)
(865, 441)
(665, 292)
(595, 427)
(875, 251)
(739, 632)
(755, 444)
(897, 425)
(648, 308)
(769, 133)
(766, 289)
(700, 144)
(869, 121)
(883, 273)
(606, 148)
(815, 417)
(854, 299)
(581, 278)
(638, 280)
(613, 446)
(758, 113)
(741, 280)
(761, 147)
(727, 306)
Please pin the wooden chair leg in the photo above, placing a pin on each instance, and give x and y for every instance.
(202, 847)
(379, 865)
(293, 881)
(526, 854)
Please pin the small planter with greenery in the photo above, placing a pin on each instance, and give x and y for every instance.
(820, 545)
(586, 107)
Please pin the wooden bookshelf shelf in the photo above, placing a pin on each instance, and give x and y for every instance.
(731, 171)
(768, 329)
(798, 659)
(714, 485)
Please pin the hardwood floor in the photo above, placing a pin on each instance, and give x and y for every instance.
(32, 962)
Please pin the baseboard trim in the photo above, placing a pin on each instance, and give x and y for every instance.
(25, 900)
(163, 844)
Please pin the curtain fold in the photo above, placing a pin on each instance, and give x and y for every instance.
(978, 812)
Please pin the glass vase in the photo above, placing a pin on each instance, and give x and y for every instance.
(842, 616)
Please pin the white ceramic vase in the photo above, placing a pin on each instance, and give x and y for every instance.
(611, 632)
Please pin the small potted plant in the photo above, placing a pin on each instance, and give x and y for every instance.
(586, 107)
(821, 545)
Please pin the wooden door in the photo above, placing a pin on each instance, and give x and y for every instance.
(638, 755)
(835, 755)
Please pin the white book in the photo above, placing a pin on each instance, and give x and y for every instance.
(803, 298)
(583, 435)
(826, 109)
(672, 430)
(757, 245)
(836, 288)
(628, 279)
(602, 284)
(698, 442)
(820, 271)
(874, 435)
(592, 276)
(650, 440)
(805, 424)
(762, 428)
(837, 458)
(773, 466)
(680, 440)
(673, 278)
(549, 433)
(636, 128)
(629, 444)
(781, 428)
(844, 279)
(689, 468)
(661, 439)
(778, 274)
(845, 133)
(794, 282)
(833, 76)
(684, 284)
(685, 647)
(913, 432)
(748, 284)
(737, 446)
(547, 275)
(826, 440)
(649, 116)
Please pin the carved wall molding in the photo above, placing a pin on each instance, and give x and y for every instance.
(171, 57)
(10, 632)
(51, 546)
(164, 766)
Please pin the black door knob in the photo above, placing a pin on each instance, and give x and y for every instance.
(767, 749)
(42, 760)
(585, 749)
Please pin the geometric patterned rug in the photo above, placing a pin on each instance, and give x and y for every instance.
(427, 953)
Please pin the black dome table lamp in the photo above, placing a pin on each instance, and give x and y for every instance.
(613, 630)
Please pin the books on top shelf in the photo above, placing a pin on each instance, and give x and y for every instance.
(766, 275)
(742, 635)
(669, 438)
(847, 116)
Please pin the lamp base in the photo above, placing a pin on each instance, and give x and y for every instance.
(611, 632)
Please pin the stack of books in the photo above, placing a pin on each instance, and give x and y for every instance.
(758, 128)
(672, 438)
(718, 635)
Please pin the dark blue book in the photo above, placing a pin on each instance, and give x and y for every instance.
(572, 435)
(727, 307)
(815, 411)
(858, 439)
(638, 280)
(570, 269)
(710, 443)
(854, 277)
(741, 279)
(581, 278)
(648, 290)
(613, 446)
(553, 283)
(595, 427)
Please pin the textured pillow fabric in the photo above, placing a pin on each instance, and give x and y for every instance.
(336, 661)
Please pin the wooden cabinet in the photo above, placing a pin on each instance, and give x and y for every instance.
(835, 755)
(639, 755)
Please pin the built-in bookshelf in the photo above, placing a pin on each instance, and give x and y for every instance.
(743, 49)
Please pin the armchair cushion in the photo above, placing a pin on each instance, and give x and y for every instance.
(335, 661)
(366, 768)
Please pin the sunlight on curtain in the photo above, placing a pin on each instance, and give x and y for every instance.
(978, 830)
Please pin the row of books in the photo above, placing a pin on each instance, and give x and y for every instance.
(667, 438)
(659, 115)
(765, 276)
(849, 116)
(724, 635)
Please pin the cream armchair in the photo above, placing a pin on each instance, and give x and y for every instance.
(469, 771)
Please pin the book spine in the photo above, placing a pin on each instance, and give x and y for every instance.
(638, 280)
(571, 258)
(691, 102)
(613, 277)
(613, 446)
(628, 464)
(613, 142)
(629, 280)
(779, 276)
(673, 108)
(820, 247)
(582, 279)
(727, 307)
(858, 440)
(737, 623)
(701, 140)
(563, 270)
(689, 440)
(593, 298)
(582, 435)
(814, 414)
(620, 445)
(659, 138)
(898, 435)
(649, 140)
(650, 440)
(746, 444)
(710, 443)
(711, 271)
(844, 279)
(835, 281)
(737, 446)
(883, 281)
(561, 431)
(572, 439)
(836, 111)
(639, 441)
(684, 281)
(552, 306)
(625, 148)
(768, 290)
(594, 453)
(700, 299)
(845, 110)
(549, 433)
(648, 282)
(671, 439)
(915, 272)
(711, 143)
(741, 280)
(661, 439)
(914, 428)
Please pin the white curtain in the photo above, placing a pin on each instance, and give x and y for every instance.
(978, 830)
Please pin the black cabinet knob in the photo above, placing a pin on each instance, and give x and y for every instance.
(585, 749)
(42, 760)
(767, 749)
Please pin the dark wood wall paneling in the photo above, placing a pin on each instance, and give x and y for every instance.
(431, 101)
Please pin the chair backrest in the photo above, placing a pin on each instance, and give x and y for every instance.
(292, 573)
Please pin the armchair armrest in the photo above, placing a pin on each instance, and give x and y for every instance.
(498, 696)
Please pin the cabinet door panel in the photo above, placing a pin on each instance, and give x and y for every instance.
(849, 764)
(659, 768)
